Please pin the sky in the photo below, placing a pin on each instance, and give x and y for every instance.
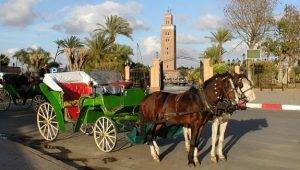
(38, 23)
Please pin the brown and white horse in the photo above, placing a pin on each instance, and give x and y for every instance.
(246, 94)
(192, 109)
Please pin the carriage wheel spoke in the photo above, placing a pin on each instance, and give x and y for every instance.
(108, 128)
(43, 116)
(105, 134)
(47, 123)
(54, 127)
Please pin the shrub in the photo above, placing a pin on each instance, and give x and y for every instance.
(222, 68)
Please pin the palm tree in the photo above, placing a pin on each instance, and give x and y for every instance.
(219, 38)
(58, 52)
(115, 25)
(98, 46)
(22, 56)
(213, 53)
(4, 60)
(38, 58)
(69, 47)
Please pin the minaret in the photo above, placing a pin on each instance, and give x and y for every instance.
(168, 42)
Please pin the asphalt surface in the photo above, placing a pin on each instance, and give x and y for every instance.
(17, 156)
(255, 139)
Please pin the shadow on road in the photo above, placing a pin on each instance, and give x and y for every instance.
(236, 129)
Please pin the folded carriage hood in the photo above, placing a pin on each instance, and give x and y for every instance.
(52, 80)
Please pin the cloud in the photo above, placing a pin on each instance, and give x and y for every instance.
(11, 51)
(149, 46)
(191, 39)
(34, 46)
(85, 18)
(181, 17)
(17, 13)
(209, 22)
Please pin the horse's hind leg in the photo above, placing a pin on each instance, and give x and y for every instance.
(194, 135)
(154, 149)
(221, 141)
(199, 131)
(187, 137)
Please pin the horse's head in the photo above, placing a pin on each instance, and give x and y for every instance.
(244, 89)
(221, 87)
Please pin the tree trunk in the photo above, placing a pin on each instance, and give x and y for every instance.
(280, 72)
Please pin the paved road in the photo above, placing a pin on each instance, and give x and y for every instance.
(17, 156)
(255, 139)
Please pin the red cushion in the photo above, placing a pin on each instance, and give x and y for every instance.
(73, 91)
(73, 112)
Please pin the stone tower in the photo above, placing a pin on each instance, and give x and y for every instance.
(168, 42)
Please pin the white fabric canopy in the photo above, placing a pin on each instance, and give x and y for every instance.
(52, 79)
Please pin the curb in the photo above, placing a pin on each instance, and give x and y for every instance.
(45, 156)
(272, 106)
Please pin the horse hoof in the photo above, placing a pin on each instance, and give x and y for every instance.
(191, 164)
(156, 159)
(222, 158)
(213, 159)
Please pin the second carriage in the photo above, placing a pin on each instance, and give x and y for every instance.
(71, 97)
(20, 90)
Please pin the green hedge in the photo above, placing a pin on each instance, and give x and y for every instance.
(222, 68)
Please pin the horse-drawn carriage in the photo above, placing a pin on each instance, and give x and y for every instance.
(70, 98)
(20, 90)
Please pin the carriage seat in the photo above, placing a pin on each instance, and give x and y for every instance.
(115, 87)
(72, 93)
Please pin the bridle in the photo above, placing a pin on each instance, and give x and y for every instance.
(233, 88)
(242, 96)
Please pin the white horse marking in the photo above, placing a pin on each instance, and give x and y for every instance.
(187, 137)
(156, 147)
(153, 152)
(223, 126)
(214, 132)
(247, 90)
(196, 155)
(235, 93)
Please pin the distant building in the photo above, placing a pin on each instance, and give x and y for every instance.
(168, 48)
(168, 42)
(9, 69)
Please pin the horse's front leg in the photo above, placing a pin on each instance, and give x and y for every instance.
(214, 132)
(221, 141)
(154, 149)
(187, 137)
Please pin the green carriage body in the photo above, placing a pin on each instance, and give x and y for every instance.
(113, 112)
(119, 107)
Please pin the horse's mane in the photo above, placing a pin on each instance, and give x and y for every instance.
(193, 89)
(214, 77)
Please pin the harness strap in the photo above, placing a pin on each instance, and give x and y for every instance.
(203, 98)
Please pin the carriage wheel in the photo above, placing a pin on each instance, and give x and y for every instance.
(5, 100)
(87, 129)
(105, 134)
(46, 121)
(37, 101)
